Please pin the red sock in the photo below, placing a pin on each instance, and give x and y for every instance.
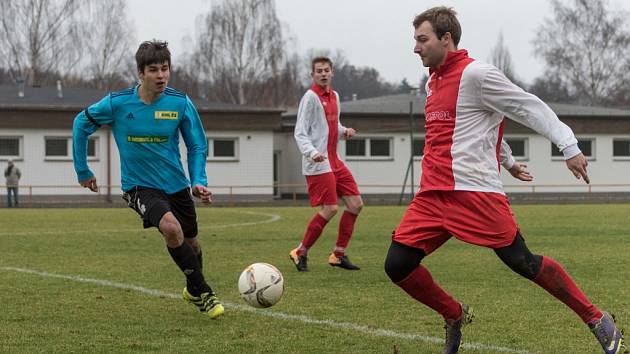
(419, 284)
(346, 227)
(313, 231)
(557, 282)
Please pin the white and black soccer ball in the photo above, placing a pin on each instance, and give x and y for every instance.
(261, 285)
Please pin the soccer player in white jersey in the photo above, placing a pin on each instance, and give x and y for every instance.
(317, 131)
(461, 193)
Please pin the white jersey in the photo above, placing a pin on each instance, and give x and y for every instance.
(466, 103)
(311, 133)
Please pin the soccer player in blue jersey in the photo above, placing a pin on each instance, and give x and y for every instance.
(146, 122)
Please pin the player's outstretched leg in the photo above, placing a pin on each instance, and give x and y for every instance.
(552, 277)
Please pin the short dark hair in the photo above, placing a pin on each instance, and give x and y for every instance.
(443, 19)
(321, 60)
(152, 52)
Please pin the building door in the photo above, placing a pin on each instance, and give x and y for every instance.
(276, 173)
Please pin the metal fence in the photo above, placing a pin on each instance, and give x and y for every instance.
(67, 195)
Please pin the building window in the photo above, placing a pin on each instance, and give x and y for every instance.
(355, 147)
(520, 148)
(369, 148)
(418, 147)
(586, 145)
(91, 149)
(223, 149)
(60, 148)
(379, 147)
(57, 147)
(621, 149)
(10, 147)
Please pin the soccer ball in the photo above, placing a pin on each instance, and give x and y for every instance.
(261, 285)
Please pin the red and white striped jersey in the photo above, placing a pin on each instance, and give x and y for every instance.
(466, 103)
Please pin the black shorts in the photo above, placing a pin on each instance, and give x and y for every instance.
(151, 204)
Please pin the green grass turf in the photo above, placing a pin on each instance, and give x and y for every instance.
(47, 314)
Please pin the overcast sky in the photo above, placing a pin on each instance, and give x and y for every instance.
(372, 33)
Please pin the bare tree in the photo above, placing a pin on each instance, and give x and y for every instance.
(285, 88)
(586, 46)
(501, 58)
(38, 37)
(107, 37)
(337, 56)
(551, 89)
(360, 82)
(4, 76)
(185, 80)
(240, 45)
(405, 87)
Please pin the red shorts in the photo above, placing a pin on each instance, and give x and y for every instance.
(323, 189)
(480, 218)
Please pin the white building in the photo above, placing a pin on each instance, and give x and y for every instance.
(252, 153)
(36, 131)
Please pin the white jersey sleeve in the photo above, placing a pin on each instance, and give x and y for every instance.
(499, 94)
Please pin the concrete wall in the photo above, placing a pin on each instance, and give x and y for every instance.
(252, 172)
(383, 175)
(290, 165)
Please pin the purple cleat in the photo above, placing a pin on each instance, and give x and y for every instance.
(608, 335)
(454, 330)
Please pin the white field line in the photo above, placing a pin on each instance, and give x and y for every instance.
(361, 329)
(271, 218)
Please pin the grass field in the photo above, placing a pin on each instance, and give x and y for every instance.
(91, 280)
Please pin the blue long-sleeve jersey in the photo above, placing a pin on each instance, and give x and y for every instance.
(148, 139)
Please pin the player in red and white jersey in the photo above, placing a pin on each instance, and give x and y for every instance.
(317, 131)
(461, 193)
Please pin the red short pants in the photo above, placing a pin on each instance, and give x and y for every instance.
(480, 218)
(323, 189)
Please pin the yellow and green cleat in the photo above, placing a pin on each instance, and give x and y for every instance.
(205, 302)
